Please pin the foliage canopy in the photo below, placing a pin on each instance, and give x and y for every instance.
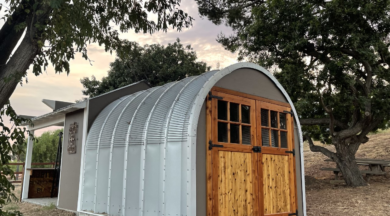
(156, 64)
(331, 56)
(45, 147)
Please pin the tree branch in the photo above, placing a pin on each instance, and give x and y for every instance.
(322, 121)
(321, 149)
(369, 128)
(351, 131)
(365, 63)
(330, 112)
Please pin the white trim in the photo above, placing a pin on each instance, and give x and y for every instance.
(56, 114)
(26, 173)
(133, 84)
(50, 121)
(88, 213)
(62, 156)
(68, 210)
(83, 144)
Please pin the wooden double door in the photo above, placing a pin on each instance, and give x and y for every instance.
(250, 160)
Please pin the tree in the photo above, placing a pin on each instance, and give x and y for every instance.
(11, 139)
(44, 149)
(52, 32)
(55, 30)
(156, 64)
(331, 56)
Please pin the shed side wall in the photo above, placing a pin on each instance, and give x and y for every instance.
(70, 166)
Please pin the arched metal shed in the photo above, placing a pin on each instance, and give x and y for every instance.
(140, 156)
(224, 143)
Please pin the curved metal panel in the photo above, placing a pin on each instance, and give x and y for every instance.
(132, 163)
(89, 165)
(146, 143)
(116, 165)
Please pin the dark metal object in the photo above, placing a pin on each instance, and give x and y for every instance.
(211, 145)
(214, 96)
(57, 166)
(292, 152)
(292, 114)
(296, 213)
(72, 147)
(256, 149)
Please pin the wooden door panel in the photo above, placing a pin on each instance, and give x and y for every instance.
(276, 184)
(249, 176)
(235, 184)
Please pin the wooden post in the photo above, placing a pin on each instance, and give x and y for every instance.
(17, 171)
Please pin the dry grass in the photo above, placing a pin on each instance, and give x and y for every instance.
(29, 209)
(322, 197)
(326, 199)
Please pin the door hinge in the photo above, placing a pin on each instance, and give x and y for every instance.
(296, 213)
(256, 149)
(292, 152)
(211, 145)
(214, 96)
(292, 114)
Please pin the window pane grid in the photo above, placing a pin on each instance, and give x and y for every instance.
(273, 129)
(238, 132)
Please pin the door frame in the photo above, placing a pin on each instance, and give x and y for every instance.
(209, 155)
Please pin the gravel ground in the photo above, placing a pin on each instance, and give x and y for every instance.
(326, 199)
(322, 197)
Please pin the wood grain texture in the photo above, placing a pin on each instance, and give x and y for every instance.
(239, 181)
(208, 158)
(276, 184)
(235, 184)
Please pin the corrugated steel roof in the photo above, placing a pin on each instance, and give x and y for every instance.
(140, 152)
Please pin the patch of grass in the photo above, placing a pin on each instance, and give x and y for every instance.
(49, 207)
(11, 207)
(380, 131)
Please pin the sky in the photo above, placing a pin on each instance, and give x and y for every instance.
(27, 98)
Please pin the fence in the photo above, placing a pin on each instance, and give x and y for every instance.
(18, 172)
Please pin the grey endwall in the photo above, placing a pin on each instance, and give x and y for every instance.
(98, 103)
(70, 164)
(250, 82)
(201, 148)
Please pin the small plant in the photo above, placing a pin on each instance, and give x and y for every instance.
(11, 207)
(50, 207)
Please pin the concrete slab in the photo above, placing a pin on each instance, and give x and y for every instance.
(42, 201)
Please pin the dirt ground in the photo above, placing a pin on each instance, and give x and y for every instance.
(322, 197)
(338, 200)
(29, 209)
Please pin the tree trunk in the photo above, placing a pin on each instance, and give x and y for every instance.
(16, 68)
(346, 162)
